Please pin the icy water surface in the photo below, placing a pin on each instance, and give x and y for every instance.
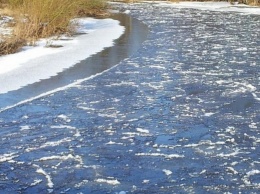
(179, 116)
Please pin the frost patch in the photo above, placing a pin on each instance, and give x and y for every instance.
(25, 127)
(167, 156)
(65, 118)
(253, 126)
(142, 130)
(232, 170)
(48, 177)
(36, 182)
(108, 181)
(49, 144)
(113, 115)
(113, 143)
(249, 174)
(62, 127)
(121, 192)
(146, 181)
(236, 152)
(63, 158)
(84, 182)
(209, 114)
(7, 157)
(167, 172)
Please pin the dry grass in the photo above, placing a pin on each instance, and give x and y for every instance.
(252, 2)
(43, 18)
(92, 8)
(11, 45)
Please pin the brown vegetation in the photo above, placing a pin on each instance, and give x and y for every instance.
(250, 2)
(36, 19)
(11, 45)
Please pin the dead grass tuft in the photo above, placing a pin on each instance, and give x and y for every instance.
(11, 45)
(252, 2)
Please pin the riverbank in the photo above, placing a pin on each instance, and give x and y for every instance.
(51, 56)
(35, 19)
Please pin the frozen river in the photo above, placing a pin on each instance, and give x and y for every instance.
(181, 115)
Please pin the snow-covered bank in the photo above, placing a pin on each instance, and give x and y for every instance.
(212, 6)
(36, 63)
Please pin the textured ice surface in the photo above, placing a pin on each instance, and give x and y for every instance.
(179, 116)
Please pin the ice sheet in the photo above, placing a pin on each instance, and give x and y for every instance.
(33, 64)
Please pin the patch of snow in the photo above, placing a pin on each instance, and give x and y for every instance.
(167, 156)
(108, 181)
(113, 115)
(64, 117)
(63, 158)
(167, 172)
(246, 178)
(123, 83)
(157, 67)
(142, 130)
(236, 152)
(36, 182)
(113, 143)
(209, 114)
(253, 126)
(25, 127)
(47, 176)
(62, 127)
(127, 11)
(7, 157)
(82, 183)
(121, 192)
(255, 97)
(232, 170)
(49, 144)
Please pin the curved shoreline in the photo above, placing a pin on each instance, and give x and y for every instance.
(134, 34)
(33, 64)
